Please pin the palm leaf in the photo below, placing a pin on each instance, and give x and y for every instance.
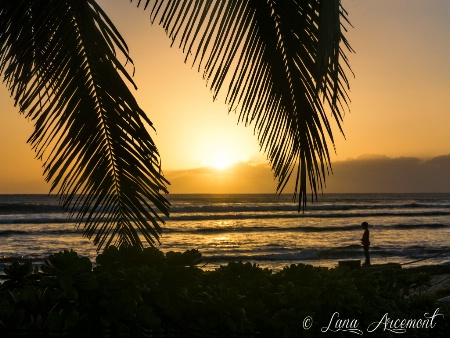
(59, 61)
(280, 62)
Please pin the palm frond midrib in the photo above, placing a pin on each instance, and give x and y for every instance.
(106, 138)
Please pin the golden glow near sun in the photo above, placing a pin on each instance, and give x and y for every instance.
(221, 152)
(219, 161)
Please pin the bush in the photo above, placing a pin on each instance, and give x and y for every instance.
(138, 293)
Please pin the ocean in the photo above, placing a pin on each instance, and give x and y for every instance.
(265, 229)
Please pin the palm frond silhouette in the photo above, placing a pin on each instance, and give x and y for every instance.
(279, 59)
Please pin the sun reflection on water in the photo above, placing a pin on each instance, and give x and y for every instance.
(223, 242)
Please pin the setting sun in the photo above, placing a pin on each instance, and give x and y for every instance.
(221, 152)
(221, 164)
(220, 161)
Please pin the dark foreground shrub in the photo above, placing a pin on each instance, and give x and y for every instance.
(146, 293)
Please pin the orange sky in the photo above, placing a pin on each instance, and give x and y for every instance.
(400, 102)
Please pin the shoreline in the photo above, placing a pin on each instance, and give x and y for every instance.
(274, 265)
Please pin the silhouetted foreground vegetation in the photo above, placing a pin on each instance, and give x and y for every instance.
(138, 293)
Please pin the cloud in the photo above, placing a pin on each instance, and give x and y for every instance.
(366, 174)
(391, 175)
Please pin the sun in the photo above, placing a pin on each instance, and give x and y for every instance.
(220, 160)
(221, 163)
(221, 153)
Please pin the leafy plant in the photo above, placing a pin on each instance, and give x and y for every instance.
(144, 293)
(17, 274)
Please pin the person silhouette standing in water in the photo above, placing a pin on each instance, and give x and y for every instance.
(365, 242)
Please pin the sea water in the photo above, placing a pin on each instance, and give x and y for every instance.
(265, 229)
